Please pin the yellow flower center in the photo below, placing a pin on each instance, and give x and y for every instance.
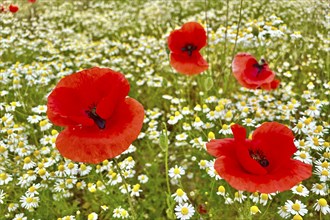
(264, 196)
(319, 186)
(176, 171)
(123, 213)
(70, 166)
(42, 123)
(42, 172)
(27, 160)
(303, 155)
(136, 187)
(179, 192)
(99, 183)
(297, 217)
(296, 207)
(254, 209)
(91, 216)
(2, 149)
(325, 164)
(184, 211)
(299, 189)
(322, 202)
(60, 168)
(83, 167)
(3, 176)
(325, 173)
(130, 159)
(32, 189)
(202, 162)
(29, 199)
(197, 119)
(221, 189)
(211, 135)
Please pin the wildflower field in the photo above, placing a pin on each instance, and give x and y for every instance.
(195, 139)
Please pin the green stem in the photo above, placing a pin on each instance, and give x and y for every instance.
(261, 217)
(166, 163)
(226, 33)
(126, 188)
(207, 32)
(238, 26)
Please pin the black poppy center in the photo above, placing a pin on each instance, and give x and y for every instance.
(100, 122)
(189, 48)
(260, 66)
(258, 156)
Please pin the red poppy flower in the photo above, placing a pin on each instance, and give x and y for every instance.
(184, 45)
(252, 75)
(13, 8)
(263, 164)
(100, 121)
(32, 1)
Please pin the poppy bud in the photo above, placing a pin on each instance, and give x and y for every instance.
(202, 209)
(163, 140)
(255, 30)
(208, 83)
(13, 8)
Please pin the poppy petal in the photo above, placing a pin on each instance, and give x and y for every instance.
(248, 73)
(221, 147)
(252, 75)
(93, 145)
(287, 177)
(64, 108)
(190, 33)
(188, 65)
(242, 147)
(239, 132)
(84, 84)
(275, 141)
(248, 164)
(113, 94)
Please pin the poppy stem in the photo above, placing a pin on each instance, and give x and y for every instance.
(207, 33)
(238, 26)
(226, 33)
(261, 217)
(126, 188)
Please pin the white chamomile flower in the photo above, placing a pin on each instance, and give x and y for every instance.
(322, 206)
(300, 190)
(296, 208)
(176, 172)
(143, 178)
(180, 196)
(92, 216)
(184, 211)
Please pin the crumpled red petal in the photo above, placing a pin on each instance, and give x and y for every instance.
(284, 179)
(74, 95)
(111, 95)
(190, 32)
(188, 65)
(92, 145)
(221, 147)
(64, 108)
(246, 73)
(276, 142)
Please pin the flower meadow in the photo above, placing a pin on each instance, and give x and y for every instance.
(164, 109)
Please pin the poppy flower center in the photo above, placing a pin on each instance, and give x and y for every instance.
(258, 156)
(189, 48)
(100, 122)
(259, 66)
